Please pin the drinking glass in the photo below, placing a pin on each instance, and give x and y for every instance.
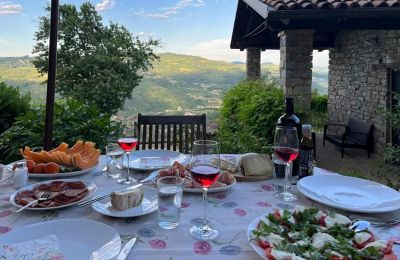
(114, 160)
(128, 142)
(170, 189)
(286, 146)
(205, 169)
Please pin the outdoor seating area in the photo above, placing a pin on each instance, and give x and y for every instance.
(82, 177)
(357, 134)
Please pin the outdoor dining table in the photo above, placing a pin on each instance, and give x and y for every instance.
(230, 212)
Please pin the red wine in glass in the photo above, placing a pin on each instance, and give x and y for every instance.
(286, 154)
(205, 175)
(127, 144)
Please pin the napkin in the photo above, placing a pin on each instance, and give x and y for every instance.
(44, 248)
(257, 165)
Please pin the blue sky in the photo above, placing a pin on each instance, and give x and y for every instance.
(195, 27)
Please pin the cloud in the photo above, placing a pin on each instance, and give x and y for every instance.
(105, 5)
(7, 8)
(219, 49)
(167, 12)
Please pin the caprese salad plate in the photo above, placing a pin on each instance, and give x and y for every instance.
(307, 233)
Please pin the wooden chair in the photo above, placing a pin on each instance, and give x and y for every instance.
(357, 134)
(175, 133)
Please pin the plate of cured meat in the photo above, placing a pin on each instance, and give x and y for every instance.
(65, 193)
(225, 181)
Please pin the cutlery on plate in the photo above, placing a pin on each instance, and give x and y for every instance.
(90, 201)
(151, 177)
(126, 249)
(378, 222)
(360, 225)
(45, 196)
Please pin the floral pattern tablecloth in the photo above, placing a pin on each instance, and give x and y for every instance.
(231, 212)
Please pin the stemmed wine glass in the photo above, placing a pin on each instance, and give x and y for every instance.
(286, 146)
(128, 142)
(205, 170)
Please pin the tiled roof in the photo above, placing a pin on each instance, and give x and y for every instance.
(329, 4)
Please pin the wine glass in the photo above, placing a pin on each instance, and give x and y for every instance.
(128, 142)
(286, 146)
(205, 170)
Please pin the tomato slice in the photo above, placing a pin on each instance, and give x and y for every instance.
(264, 244)
(388, 248)
(389, 257)
(321, 221)
(269, 256)
(277, 215)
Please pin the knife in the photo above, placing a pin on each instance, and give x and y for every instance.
(90, 201)
(127, 248)
(150, 177)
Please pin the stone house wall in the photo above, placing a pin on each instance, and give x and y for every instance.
(358, 78)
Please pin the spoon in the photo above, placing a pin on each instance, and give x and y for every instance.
(360, 225)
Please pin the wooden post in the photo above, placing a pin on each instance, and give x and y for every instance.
(51, 76)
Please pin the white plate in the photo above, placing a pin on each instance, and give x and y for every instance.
(149, 204)
(90, 185)
(53, 175)
(250, 237)
(212, 190)
(150, 160)
(349, 193)
(79, 238)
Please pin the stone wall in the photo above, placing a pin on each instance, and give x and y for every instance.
(358, 78)
(296, 48)
(253, 63)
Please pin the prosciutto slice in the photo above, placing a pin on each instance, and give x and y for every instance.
(73, 192)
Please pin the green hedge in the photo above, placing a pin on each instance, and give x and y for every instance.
(72, 121)
(248, 117)
(12, 105)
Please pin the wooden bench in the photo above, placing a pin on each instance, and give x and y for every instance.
(357, 134)
(175, 133)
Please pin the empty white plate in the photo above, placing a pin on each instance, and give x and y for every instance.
(349, 193)
(148, 205)
(151, 160)
(79, 238)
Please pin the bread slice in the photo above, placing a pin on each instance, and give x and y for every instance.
(123, 200)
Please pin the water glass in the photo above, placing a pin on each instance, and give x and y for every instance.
(1, 171)
(170, 190)
(278, 173)
(114, 160)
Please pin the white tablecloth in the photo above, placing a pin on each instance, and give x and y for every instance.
(230, 212)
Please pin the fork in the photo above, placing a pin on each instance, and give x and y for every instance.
(45, 196)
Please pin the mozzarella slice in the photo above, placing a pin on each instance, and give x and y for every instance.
(379, 245)
(361, 237)
(338, 219)
(320, 239)
(281, 255)
(291, 219)
(320, 214)
(272, 239)
(299, 208)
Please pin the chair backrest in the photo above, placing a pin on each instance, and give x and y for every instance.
(358, 126)
(175, 133)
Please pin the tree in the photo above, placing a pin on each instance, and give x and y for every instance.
(97, 64)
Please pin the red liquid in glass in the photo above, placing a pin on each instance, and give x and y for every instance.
(205, 175)
(286, 154)
(127, 144)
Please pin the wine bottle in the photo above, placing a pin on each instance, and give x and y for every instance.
(306, 153)
(290, 119)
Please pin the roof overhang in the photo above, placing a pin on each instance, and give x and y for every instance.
(258, 25)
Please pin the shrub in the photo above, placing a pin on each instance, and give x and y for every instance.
(248, 117)
(392, 154)
(12, 104)
(319, 103)
(72, 121)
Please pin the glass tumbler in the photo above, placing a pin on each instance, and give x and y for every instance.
(170, 190)
(114, 160)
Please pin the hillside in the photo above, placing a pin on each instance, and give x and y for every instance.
(176, 83)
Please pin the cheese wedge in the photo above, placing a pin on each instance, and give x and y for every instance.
(124, 200)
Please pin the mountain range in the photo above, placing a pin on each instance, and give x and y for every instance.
(176, 83)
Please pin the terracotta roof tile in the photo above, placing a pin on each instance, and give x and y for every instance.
(329, 4)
